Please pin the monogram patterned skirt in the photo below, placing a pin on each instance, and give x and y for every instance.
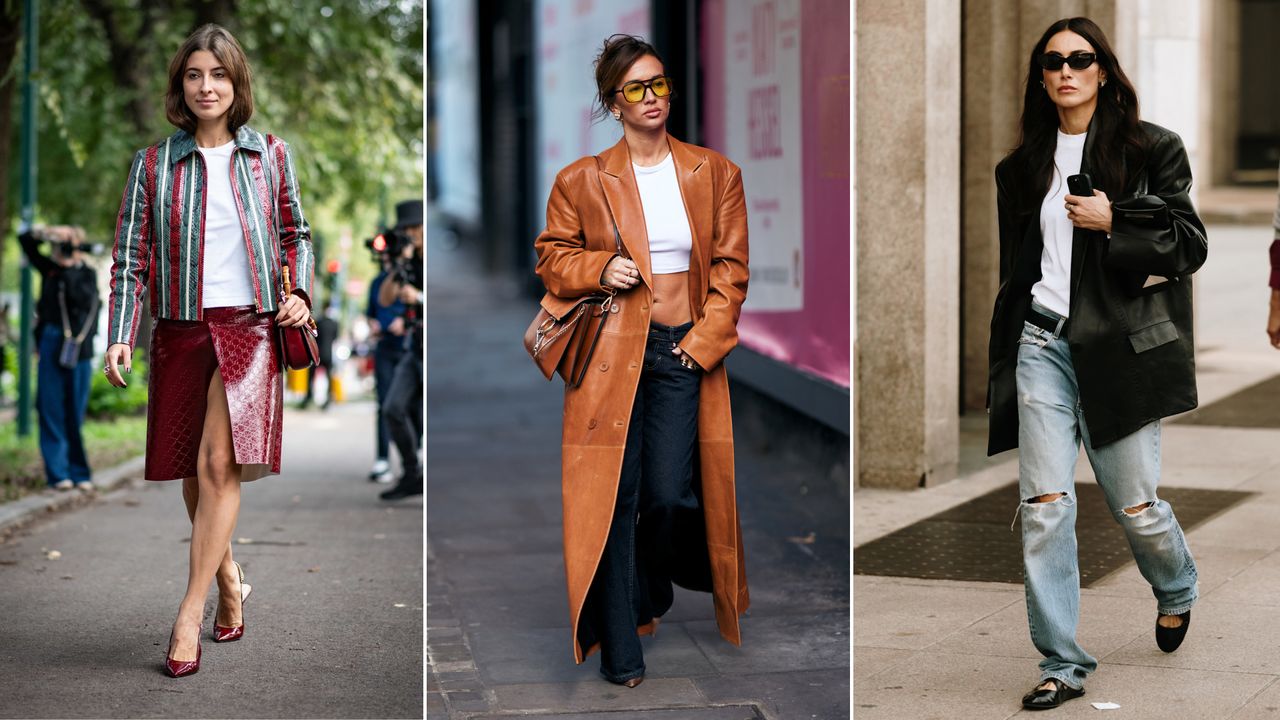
(184, 356)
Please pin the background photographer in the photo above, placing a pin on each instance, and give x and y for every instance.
(66, 321)
(403, 405)
(386, 324)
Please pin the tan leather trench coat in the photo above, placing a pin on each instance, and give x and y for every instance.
(572, 252)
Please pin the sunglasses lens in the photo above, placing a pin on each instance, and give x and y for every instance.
(1080, 61)
(661, 87)
(1052, 62)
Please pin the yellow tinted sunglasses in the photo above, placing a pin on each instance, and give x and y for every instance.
(634, 90)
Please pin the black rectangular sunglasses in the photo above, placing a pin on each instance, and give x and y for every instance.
(1077, 60)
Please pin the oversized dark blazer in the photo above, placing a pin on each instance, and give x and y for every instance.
(1130, 322)
(572, 252)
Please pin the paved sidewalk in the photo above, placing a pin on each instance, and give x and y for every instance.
(333, 628)
(497, 637)
(937, 649)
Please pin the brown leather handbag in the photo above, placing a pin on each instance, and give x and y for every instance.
(563, 335)
(298, 345)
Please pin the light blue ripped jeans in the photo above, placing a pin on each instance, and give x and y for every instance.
(1051, 428)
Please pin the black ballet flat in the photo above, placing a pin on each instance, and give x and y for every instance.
(1049, 699)
(1170, 638)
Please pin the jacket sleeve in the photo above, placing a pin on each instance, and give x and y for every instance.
(31, 248)
(296, 251)
(131, 257)
(566, 267)
(1165, 237)
(715, 334)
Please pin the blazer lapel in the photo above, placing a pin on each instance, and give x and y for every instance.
(623, 199)
(1080, 237)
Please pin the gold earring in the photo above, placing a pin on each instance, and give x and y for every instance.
(617, 115)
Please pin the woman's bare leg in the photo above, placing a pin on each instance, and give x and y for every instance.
(214, 520)
(228, 578)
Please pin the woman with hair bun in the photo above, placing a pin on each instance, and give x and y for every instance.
(647, 445)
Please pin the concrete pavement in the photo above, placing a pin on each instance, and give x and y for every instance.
(333, 628)
(938, 649)
(497, 638)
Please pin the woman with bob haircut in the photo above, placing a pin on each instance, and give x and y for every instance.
(647, 444)
(1091, 334)
(209, 221)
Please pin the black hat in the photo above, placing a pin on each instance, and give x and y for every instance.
(408, 214)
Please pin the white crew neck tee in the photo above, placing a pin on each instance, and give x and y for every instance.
(227, 281)
(670, 238)
(1054, 289)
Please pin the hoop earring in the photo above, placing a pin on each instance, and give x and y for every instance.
(617, 115)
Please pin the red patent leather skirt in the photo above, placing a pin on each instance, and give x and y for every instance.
(184, 356)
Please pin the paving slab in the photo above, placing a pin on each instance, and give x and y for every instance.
(784, 696)
(507, 656)
(912, 614)
(737, 712)
(597, 695)
(782, 642)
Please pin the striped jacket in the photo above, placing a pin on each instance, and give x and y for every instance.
(160, 230)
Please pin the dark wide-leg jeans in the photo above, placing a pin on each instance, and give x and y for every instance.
(655, 505)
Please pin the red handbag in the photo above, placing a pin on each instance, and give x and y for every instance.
(298, 346)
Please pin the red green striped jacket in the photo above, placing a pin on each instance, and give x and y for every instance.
(159, 242)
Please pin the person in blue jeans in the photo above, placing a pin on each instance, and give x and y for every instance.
(67, 314)
(1091, 336)
(387, 325)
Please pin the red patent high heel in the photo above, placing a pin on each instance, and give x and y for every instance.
(222, 633)
(179, 668)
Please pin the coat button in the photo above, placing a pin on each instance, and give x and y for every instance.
(591, 424)
(604, 367)
(614, 308)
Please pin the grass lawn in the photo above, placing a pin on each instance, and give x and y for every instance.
(108, 442)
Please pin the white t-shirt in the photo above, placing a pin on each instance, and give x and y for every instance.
(670, 239)
(1054, 289)
(227, 279)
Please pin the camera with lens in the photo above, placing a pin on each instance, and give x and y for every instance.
(387, 245)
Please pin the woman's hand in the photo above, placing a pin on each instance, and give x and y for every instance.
(293, 312)
(117, 354)
(620, 274)
(1090, 213)
(1273, 320)
(685, 358)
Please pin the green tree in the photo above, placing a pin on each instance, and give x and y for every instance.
(341, 81)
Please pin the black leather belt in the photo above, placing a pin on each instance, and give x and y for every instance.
(1043, 321)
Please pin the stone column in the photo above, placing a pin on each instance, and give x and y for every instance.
(907, 171)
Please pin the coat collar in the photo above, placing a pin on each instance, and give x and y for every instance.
(183, 143)
(623, 196)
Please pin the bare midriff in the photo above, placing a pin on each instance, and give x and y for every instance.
(671, 299)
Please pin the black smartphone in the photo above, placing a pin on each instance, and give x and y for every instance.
(1080, 184)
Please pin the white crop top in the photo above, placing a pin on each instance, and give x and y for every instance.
(670, 239)
(227, 281)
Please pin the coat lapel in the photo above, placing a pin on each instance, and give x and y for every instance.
(696, 190)
(623, 198)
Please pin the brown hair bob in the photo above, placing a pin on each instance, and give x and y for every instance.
(616, 56)
(223, 45)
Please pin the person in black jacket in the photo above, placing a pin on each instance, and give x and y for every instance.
(1091, 334)
(66, 321)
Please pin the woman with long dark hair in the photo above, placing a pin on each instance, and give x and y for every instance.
(209, 222)
(1091, 335)
(647, 447)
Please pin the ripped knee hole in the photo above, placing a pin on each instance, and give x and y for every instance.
(1050, 497)
(1138, 508)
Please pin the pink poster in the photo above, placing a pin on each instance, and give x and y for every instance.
(802, 316)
